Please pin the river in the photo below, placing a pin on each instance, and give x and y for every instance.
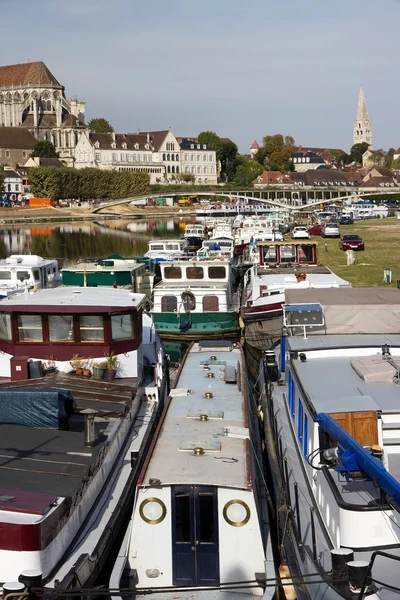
(126, 237)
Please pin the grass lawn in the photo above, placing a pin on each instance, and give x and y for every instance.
(382, 251)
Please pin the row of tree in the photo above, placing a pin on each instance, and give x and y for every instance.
(53, 182)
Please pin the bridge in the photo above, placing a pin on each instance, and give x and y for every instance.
(288, 200)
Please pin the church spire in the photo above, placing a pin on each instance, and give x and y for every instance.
(362, 126)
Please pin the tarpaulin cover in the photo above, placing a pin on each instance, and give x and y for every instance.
(36, 407)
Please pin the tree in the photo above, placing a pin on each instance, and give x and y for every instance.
(396, 163)
(229, 160)
(186, 177)
(45, 149)
(342, 158)
(389, 157)
(279, 150)
(100, 125)
(261, 157)
(247, 171)
(357, 151)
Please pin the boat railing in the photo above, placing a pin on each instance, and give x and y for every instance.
(368, 574)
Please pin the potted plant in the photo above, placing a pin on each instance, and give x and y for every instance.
(300, 277)
(99, 370)
(77, 362)
(112, 365)
(50, 366)
(87, 367)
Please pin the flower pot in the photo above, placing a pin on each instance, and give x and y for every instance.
(99, 372)
(110, 375)
(87, 372)
(78, 371)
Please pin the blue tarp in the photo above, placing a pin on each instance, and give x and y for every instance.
(36, 407)
(302, 307)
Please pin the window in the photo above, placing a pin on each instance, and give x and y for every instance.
(204, 146)
(216, 272)
(156, 247)
(177, 157)
(270, 254)
(8, 154)
(305, 253)
(187, 169)
(114, 156)
(30, 328)
(24, 154)
(5, 327)
(300, 424)
(192, 146)
(61, 328)
(199, 168)
(164, 157)
(91, 328)
(198, 157)
(169, 304)
(287, 253)
(186, 157)
(97, 155)
(5, 275)
(194, 273)
(210, 158)
(122, 157)
(173, 273)
(305, 436)
(210, 304)
(192, 157)
(23, 275)
(36, 274)
(172, 156)
(121, 327)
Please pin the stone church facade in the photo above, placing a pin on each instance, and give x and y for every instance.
(31, 97)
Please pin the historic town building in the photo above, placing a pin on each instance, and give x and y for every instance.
(198, 160)
(16, 145)
(32, 98)
(362, 127)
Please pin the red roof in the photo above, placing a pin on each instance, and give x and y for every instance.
(35, 73)
(255, 146)
(268, 177)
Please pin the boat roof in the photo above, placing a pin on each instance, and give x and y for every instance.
(329, 377)
(57, 462)
(119, 264)
(225, 461)
(289, 243)
(100, 300)
(195, 263)
(25, 260)
(318, 277)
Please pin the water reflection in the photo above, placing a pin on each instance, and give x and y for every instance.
(81, 240)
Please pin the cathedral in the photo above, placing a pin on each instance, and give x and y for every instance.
(362, 126)
(31, 97)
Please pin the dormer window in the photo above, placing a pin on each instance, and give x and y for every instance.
(136, 146)
(113, 145)
(146, 147)
(192, 146)
(204, 147)
(198, 146)
(97, 144)
(124, 145)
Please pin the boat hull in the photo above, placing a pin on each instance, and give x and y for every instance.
(196, 326)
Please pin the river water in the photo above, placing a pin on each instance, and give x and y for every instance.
(126, 237)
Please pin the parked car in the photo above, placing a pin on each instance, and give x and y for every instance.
(330, 230)
(351, 241)
(300, 233)
(346, 220)
(315, 229)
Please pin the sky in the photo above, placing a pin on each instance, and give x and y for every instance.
(244, 70)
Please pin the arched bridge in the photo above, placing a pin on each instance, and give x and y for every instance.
(288, 200)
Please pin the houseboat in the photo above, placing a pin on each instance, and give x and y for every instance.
(218, 247)
(70, 443)
(25, 272)
(200, 524)
(111, 271)
(195, 299)
(282, 266)
(330, 392)
(195, 230)
(166, 249)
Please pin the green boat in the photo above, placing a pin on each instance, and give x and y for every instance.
(195, 300)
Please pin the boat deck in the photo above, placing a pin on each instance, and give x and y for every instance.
(55, 461)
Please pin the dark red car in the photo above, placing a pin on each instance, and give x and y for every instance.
(351, 241)
(315, 229)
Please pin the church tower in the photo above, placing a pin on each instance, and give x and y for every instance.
(362, 127)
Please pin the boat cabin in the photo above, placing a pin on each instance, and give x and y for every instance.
(167, 249)
(194, 230)
(220, 246)
(27, 271)
(276, 253)
(67, 322)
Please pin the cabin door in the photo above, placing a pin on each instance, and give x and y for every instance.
(195, 551)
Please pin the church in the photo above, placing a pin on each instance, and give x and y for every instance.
(32, 98)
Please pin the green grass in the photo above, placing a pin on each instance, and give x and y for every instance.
(382, 251)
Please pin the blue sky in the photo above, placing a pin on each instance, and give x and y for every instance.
(243, 69)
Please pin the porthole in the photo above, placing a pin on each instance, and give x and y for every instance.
(236, 513)
(153, 511)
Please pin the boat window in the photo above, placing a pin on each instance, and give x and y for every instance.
(194, 273)
(30, 328)
(287, 253)
(92, 329)
(210, 304)
(61, 328)
(169, 303)
(305, 253)
(206, 514)
(182, 517)
(5, 327)
(121, 327)
(188, 301)
(300, 425)
(216, 272)
(156, 247)
(5, 275)
(305, 436)
(172, 247)
(291, 388)
(23, 275)
(270, 254)
(36, 274)
(172, 273)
